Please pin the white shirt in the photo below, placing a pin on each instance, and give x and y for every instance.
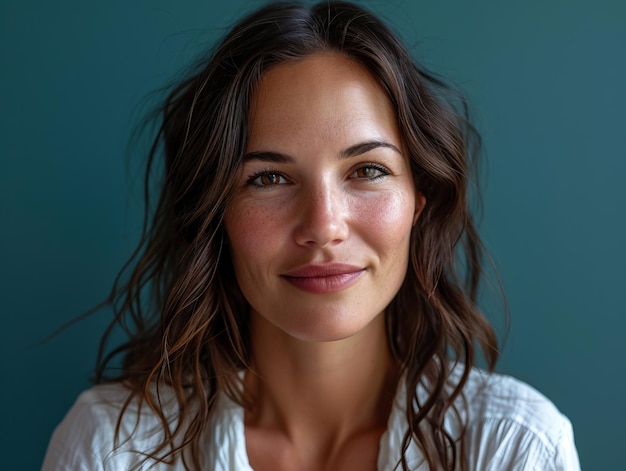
(510, 426)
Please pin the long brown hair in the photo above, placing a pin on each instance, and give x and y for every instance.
(177, 298)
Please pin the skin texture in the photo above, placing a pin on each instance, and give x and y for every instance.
(325, 182)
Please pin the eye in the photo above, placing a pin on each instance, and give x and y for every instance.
(370, 172)
(267, 178)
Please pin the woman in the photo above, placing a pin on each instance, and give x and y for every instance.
(307, 307)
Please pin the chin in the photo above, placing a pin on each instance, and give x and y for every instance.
(336, 327)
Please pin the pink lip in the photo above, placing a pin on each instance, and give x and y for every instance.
(324, 278)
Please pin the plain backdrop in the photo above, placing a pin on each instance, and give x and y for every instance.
(546, 79)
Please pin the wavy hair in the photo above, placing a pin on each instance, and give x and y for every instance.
(177, 299)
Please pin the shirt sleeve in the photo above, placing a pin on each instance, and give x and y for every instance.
(85, 438)
(498, 444)
(514, 427)
(566, 455)
(76, 442)
(93, 436)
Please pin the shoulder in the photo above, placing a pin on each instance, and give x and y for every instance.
(497, 423)
(94, 435)
(498, 396)
(511, 425)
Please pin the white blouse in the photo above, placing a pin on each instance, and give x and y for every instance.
(510, 426)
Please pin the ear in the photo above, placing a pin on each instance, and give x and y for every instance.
(420, 203)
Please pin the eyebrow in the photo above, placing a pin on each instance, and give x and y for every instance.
(352, 151)
(367, 146)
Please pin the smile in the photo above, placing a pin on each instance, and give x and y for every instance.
(320, 279)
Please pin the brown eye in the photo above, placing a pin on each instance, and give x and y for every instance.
(370, 172)
(367, 172)
(265, 179)
(270, 179)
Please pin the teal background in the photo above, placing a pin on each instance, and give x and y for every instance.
(547, 81)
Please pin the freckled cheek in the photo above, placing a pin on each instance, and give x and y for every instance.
(253, 231)
(387, 219)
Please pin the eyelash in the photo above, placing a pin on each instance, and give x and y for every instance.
(255, 176)
(383, 172)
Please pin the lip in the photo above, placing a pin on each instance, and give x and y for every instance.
(327, 278)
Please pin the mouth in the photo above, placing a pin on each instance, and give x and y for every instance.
(320, 279)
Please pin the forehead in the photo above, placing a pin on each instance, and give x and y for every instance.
(323, 96)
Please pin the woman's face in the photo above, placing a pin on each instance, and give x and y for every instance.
(319, 225)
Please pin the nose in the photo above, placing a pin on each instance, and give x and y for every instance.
(323, 216)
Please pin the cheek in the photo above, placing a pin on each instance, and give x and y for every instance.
(252, 231)
(387, 218)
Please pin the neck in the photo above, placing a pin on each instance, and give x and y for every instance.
(316, 392)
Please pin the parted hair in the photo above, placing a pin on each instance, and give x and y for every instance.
(177, 299)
